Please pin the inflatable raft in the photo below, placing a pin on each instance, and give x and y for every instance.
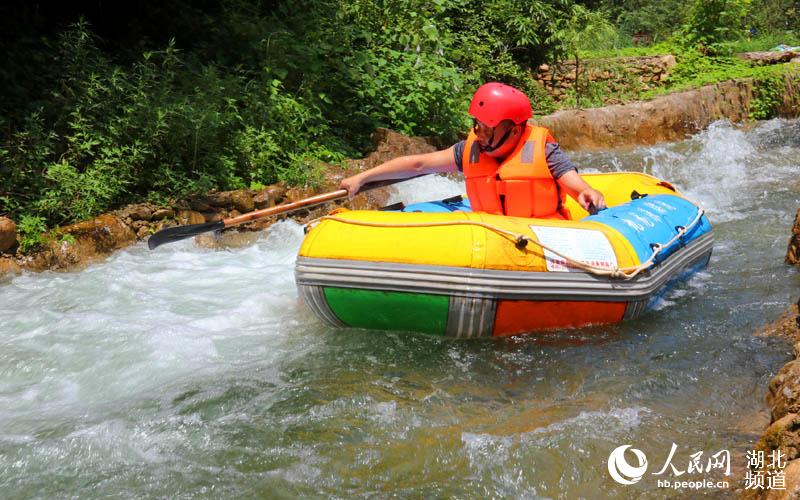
(439, 268)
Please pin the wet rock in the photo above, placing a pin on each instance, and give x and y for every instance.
(200, 205)
(220, 199)
(243, 200)
(143, 232)
(226, 239)
(8, 267)
(268, 197)
(258, 224)
(107, 231)
(163, 213)
(791, 488)
(299, 193)
(765, 58)
(666, 118)
(793, 251)
(8, 234)
(278, 192)
(137, 212)
(190, 217)
(82, 243)
(783, 435)
(784, 326)
(165, 224)
(783, 393)
(213, 216)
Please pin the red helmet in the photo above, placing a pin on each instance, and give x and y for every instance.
(494, 102)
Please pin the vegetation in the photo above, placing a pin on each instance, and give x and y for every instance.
(104, 107)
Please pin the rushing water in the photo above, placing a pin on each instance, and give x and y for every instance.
(188, 372)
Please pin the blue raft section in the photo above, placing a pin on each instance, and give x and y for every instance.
(646, 222)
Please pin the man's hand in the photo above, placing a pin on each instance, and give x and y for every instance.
(352, 185)
(590, 197)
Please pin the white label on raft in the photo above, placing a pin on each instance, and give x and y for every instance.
(585, 245)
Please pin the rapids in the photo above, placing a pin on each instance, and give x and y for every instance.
(189, 372)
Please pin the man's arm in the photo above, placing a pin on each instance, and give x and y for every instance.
(403, 167)
(583, 193)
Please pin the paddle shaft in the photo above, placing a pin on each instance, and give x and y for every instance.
(284, 208)
(307, 202)
(171, 234)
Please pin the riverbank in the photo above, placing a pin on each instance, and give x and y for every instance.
(782, 436)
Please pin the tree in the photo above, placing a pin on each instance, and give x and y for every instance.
(714, 21)
(583, 29)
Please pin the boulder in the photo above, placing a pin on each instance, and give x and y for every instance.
(137, 212)
(220, 199)
(783, 392)
(190, 217)
(790, 491)
(226, 239)
(765, 58)
(783, 435)
(243, 200)
(77, 245)
(793, 251)
(200, 204)
(8, 267)
(268, 197)
(163, 213)
(784, 326)
(8, 234)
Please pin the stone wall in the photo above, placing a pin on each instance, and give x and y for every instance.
(670, 117)
(615, 74)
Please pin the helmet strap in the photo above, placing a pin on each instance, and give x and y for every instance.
(490, 147)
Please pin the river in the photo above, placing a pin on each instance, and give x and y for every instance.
(188, 372)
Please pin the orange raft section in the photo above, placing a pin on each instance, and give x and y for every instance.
(517, 316)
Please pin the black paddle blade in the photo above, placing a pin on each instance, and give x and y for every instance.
(176, 233)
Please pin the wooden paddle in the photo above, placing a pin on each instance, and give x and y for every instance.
(177, 233)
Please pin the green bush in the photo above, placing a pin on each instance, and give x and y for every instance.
(768, 96)
(31, 230)
(710, 22)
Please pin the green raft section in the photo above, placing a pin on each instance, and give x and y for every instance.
(379, 310)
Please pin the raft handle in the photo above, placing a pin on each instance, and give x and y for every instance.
(393, 207)
(453, 199)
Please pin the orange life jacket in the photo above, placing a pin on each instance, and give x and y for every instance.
(520, 186)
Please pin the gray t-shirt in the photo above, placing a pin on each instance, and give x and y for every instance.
(558, 161)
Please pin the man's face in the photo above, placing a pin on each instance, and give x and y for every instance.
(490, 137)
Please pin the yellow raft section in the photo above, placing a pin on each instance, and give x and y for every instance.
(469, 246)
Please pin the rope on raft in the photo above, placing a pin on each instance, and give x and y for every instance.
(521, 241)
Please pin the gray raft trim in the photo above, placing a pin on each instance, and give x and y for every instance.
(314, 296)
(494, 284)
(469, 317)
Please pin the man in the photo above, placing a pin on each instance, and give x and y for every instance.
(511, 167)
